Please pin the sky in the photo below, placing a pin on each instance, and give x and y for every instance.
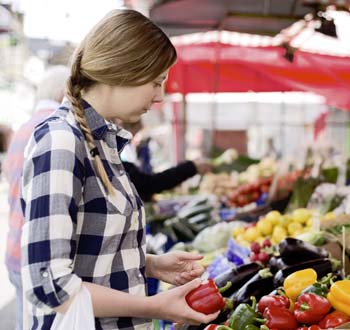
(63, 19)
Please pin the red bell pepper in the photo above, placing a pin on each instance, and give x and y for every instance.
(310, 308)
(217, 327)
(207, 298)
(272, 301)
(333, 320)
(280, 318)
(211, 327)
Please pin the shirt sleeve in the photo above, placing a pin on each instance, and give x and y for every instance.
(52, 182)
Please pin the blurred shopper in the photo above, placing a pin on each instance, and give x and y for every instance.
(84, 221)
(271, 151)
(148, 184)
(144, 155)
(49, 95)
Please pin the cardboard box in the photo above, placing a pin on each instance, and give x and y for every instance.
(344, 326)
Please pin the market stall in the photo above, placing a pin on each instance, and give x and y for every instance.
(232, 221)
(279, 265)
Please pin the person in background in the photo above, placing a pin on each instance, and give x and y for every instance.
(148, 184)
(84, 221)
(144, 155)
(271, 151)
(49, 95)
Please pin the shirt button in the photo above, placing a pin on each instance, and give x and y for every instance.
(139, 275)
(121, 172)
(45, 274)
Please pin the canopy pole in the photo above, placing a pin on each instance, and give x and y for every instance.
(214, 107)
(179, 121)
(183, 129)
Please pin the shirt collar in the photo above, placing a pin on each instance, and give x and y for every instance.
(100, 127)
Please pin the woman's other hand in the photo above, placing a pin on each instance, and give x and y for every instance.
(202, 166)
(177, 267)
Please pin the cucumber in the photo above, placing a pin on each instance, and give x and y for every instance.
(190, 212)
(182, 231)
(199, 218)
(198, 200)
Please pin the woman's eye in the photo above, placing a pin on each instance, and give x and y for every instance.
(157, 84)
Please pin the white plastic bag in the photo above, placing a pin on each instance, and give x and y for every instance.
(79, 316)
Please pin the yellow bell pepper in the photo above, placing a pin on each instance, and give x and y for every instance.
(339, 296)
(298, 281)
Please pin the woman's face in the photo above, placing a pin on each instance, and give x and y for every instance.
(128, 104)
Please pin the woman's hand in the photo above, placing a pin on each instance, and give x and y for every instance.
(202, 166)
(171, 305)
(177, 267)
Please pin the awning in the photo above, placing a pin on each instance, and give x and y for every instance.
(225, 61)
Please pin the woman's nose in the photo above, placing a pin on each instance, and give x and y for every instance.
(158, 97)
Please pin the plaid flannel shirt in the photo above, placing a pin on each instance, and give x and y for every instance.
(73, 230)
(13, 165)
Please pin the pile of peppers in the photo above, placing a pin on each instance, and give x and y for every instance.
(339, 296)
(303, 304)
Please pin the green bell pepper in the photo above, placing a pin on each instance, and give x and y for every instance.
(245, 315)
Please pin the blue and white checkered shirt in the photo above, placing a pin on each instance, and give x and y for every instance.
(73, 230)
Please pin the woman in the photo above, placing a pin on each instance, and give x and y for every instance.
(84, 220)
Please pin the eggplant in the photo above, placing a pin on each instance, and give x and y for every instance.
(278, 263)
(322, 266)
(298, 250)
(258, 286)
(275, 264)
(237, 276)
(222, 317)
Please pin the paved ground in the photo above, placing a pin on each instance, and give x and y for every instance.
(7, 293)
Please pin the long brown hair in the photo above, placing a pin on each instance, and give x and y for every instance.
(124, 49)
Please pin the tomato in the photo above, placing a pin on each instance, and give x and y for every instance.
(255, 195)
(242, 200)
(265, 188)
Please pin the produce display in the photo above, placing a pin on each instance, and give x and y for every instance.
(220, 184)
(249, 192)
(280, 271)
(335, 225)
(223, 184)
(275, 227)
(300, 286)
(280, 311)
(305, 291)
